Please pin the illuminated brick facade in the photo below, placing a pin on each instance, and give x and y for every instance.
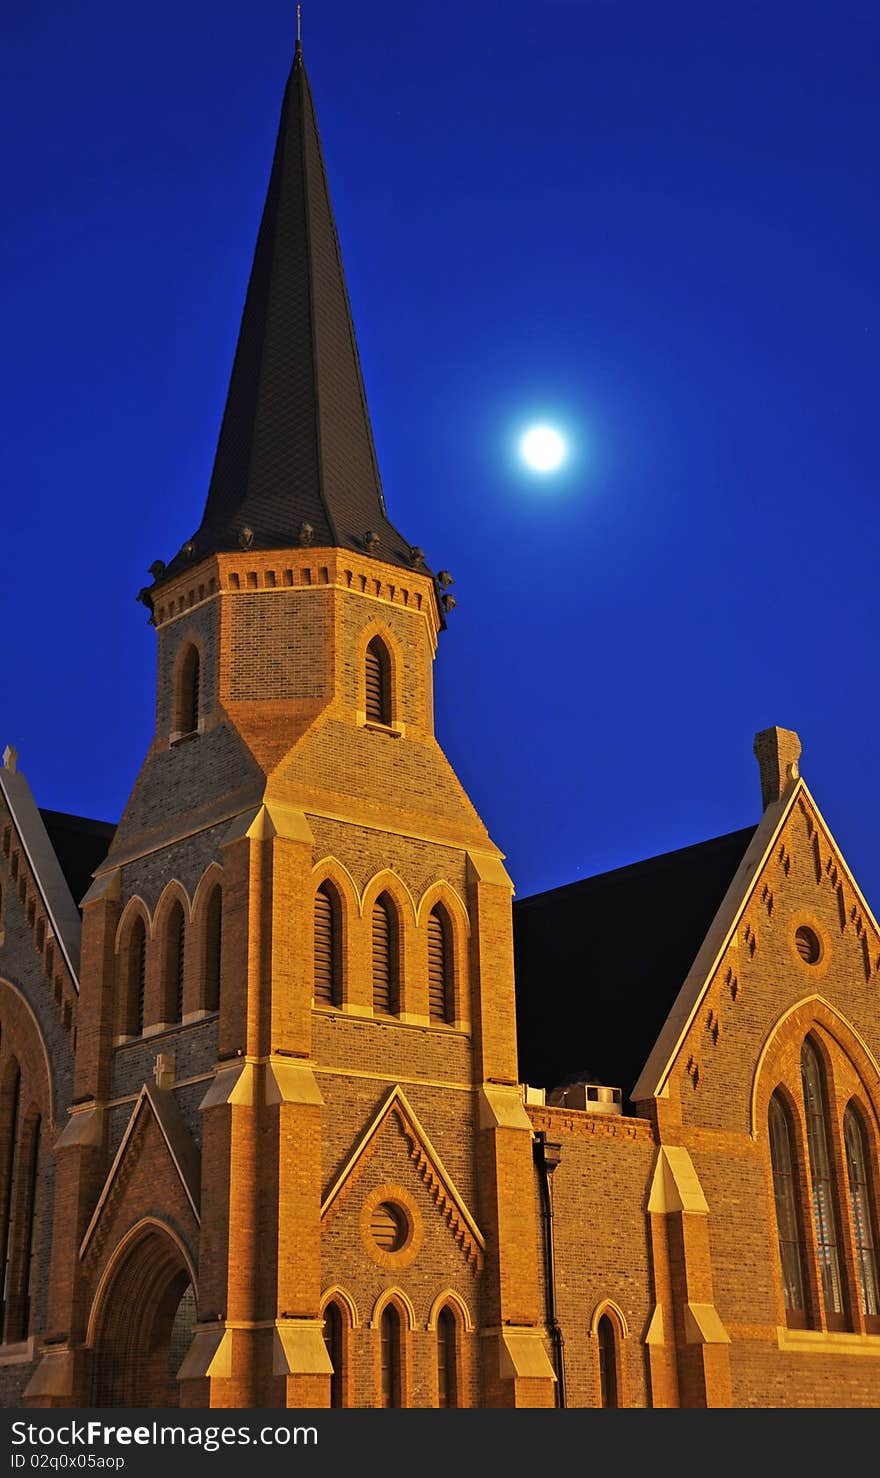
(285, 1153)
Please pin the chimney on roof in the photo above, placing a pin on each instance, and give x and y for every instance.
(777, 752)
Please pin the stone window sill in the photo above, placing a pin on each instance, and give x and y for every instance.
(177, 739)
(391, 731)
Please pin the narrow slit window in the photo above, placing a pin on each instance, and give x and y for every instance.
(137, 978)
(377, 675)
(213, 949)
(175, 959)
(30, 1245)
(385, 958)
(390, 1355)
(863, 1221)
(447, 1371)
(189, 704)
(439, 967)
(824, 1214)
(327, 947)
(607, 1362)
(788, 1227)
(9, 1200)
(333, 1344)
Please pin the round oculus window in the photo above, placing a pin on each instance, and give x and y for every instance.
(389, 1226)
(807, 945)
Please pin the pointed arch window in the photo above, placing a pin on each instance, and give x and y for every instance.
(189, 695)
(11, 1107)
(788, 1225)
(390, 1356)
(824, 1214)
(607, 1343)
(439, 966)
(333, 1343)
(377, 681)
(213, 948)
(386, 957)
(328, 952)
(175, 959)
(863, 1219)
(447, 1358)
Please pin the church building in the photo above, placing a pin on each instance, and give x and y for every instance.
(298, 1108)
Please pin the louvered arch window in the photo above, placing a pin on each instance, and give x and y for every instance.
(189, 692)
(864, 1222)
(377, 681)
(788, 1222)
(175, 959)
(390, 1356)
(137, 980)
(386, 957)
(447, 1359)
(328, 950)
(440, 979)
(213, 948)
(824, 1211)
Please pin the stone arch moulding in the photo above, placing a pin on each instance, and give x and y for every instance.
(135, 907)
(388, 882)
(34, 1025)
(449, 1296)
(815, 1010)
(445, 893)
(373, 628)
(173, 890)
(331, 870)
(338, 1295)
(402, 1303)
(212, 877)
(608, 1306)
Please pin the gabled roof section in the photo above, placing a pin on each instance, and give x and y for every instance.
(80, 844)
(606, 957)
(428, 1164)
(296, 446)
(181, 1147)
(653, 1077)
(61, 906)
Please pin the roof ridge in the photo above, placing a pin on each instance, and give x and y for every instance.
(656, 860)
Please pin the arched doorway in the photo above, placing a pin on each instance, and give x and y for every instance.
(143, 1324)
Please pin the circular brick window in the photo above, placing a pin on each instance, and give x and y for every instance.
(807, 945)
(389, 1226)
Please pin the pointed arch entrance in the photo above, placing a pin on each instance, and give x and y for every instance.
(142, 1320)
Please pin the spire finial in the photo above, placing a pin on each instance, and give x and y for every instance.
(299, 27)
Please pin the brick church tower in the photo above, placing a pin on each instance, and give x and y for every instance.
(297, 1170)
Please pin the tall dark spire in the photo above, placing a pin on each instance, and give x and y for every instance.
(296, 446)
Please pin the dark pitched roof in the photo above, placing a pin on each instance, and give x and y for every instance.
(295, 443)
(80, 844)
(600, 962)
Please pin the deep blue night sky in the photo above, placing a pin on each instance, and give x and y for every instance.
(654, 222)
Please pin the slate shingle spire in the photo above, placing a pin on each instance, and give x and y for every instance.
(295, 445)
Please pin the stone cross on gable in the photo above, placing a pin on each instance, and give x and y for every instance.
(163, 1070)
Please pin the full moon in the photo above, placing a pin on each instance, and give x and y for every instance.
(543, 449)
